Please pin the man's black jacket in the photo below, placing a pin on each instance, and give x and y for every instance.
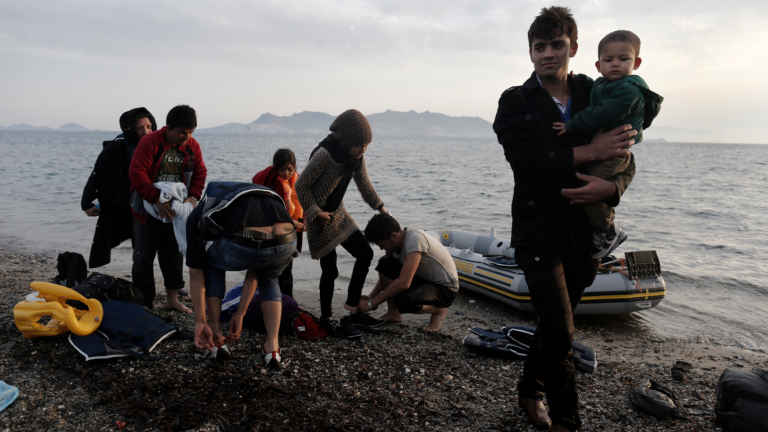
(542, 163)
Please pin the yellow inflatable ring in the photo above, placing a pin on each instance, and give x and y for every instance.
(63, 317)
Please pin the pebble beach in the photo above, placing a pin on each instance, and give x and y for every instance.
(397, 377)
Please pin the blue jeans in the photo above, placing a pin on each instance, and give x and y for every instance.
(223, 256)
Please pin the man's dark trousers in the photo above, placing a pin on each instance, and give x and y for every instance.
(556, 281)
(156, 237)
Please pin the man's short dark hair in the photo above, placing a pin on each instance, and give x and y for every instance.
(551, 23)
(624, 36)
(381, 227)
(183, 116)
(282, 157)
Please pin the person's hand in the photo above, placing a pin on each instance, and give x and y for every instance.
(382, 210)
(298, 225)
(192, 200)
(204, 336)
(595, 190)
(363, 306)
(609, 145)
(235, 328)
(164, 210)
(324, 217)
(365, 298)
(92, 212)
(559, 127)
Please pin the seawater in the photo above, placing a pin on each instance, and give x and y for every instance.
(702, 207)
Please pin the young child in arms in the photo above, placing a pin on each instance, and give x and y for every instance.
(617, 98)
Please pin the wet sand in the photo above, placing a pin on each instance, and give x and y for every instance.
(397, 377)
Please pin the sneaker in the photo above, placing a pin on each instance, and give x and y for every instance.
(221, 353)
(183, 292)
(365, 320)
(609, 241)
(272, 360)
(343, 330)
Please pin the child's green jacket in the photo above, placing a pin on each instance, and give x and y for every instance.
(624, 101)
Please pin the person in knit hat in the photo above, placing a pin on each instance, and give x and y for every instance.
(333, 164)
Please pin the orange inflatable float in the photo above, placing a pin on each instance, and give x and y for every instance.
(64, 318)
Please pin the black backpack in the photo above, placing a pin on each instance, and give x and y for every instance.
(105, 288)
(72, 269)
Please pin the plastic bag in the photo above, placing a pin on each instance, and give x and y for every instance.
(8, 394)
(742, 400)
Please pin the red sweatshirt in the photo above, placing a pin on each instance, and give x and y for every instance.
(146, 162)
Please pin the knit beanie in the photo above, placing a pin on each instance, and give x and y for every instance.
(351, 128)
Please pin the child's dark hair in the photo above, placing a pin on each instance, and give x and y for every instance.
(553, 22)
(624, 36)
(283, 156)
(183, 116)
(381, 227)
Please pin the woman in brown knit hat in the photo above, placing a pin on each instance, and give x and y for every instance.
(333, 164)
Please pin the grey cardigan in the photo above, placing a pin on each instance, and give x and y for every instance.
(313, 188)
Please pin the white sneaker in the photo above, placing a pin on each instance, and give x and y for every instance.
(608, 241)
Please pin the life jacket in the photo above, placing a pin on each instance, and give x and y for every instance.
(51, 301)
(219, 195)
(127, 329)
(514, 342)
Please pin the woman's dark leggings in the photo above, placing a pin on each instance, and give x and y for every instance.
(358, 247)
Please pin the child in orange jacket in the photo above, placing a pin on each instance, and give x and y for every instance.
(281, 178)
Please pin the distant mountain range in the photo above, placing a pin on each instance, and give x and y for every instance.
(389, 123)
(26, 127)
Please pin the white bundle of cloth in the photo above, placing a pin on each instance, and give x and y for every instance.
(176, 193)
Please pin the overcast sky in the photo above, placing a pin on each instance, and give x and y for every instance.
(88, 61)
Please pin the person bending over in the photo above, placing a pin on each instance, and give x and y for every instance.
(254, 234)
(417, 275)
(334, 163)
(281, 177)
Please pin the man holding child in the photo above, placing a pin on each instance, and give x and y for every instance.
(551, 232)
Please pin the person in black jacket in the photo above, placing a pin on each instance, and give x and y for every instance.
(109, 183)
(551, 233)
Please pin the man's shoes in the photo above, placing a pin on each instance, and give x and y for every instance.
(343, 330)
(221, 352)
(272, 360)
(537, 412)
(605, 243)
(557, 427)
(365, 320)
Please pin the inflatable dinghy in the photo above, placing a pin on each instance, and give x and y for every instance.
(486, 265)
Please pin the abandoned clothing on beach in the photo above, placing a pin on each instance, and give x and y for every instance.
(436, 264)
